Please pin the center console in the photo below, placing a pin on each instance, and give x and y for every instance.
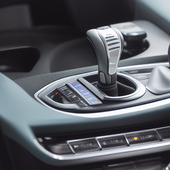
(110, 116)
(110, 92)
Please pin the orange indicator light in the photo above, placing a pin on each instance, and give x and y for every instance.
(135, 138)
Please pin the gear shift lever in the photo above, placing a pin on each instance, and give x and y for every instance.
(108, 45)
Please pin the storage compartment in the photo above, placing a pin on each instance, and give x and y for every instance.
(18, 59)
(73, 54)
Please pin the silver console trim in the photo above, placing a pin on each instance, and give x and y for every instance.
(143, 66)
(114, 112)
(119, 112)
(140, 90)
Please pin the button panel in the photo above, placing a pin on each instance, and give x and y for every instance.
(75, 93)
(56, 96)
(65, 90)
(85, 145)
(84, 93)
(142, 137)
(114, 143)
(164, 133)
(60, 149)
(72, 96)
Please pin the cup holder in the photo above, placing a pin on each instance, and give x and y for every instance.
(18, 59)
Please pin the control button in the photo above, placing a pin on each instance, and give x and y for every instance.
(56, 96)
(73, 98)
(60, 149)
(92, 101)
(142, 137)
(84, 93)
(164, 133)
(65, 90)
(85, 145)
(115, 141)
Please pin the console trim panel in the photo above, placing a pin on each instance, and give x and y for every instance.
(116, 152)
(128, 110)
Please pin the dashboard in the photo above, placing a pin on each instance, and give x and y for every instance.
(87, 90)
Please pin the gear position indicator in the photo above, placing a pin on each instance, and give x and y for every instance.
(84, 93)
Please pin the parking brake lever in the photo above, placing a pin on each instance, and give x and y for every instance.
(108, 46)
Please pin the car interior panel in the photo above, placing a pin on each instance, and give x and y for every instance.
(84, 85)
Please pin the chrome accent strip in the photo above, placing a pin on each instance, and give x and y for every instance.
(70, 147)
(98, 143)
(142, 66)
(129, 110)
(158, 135)
(127, 140)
